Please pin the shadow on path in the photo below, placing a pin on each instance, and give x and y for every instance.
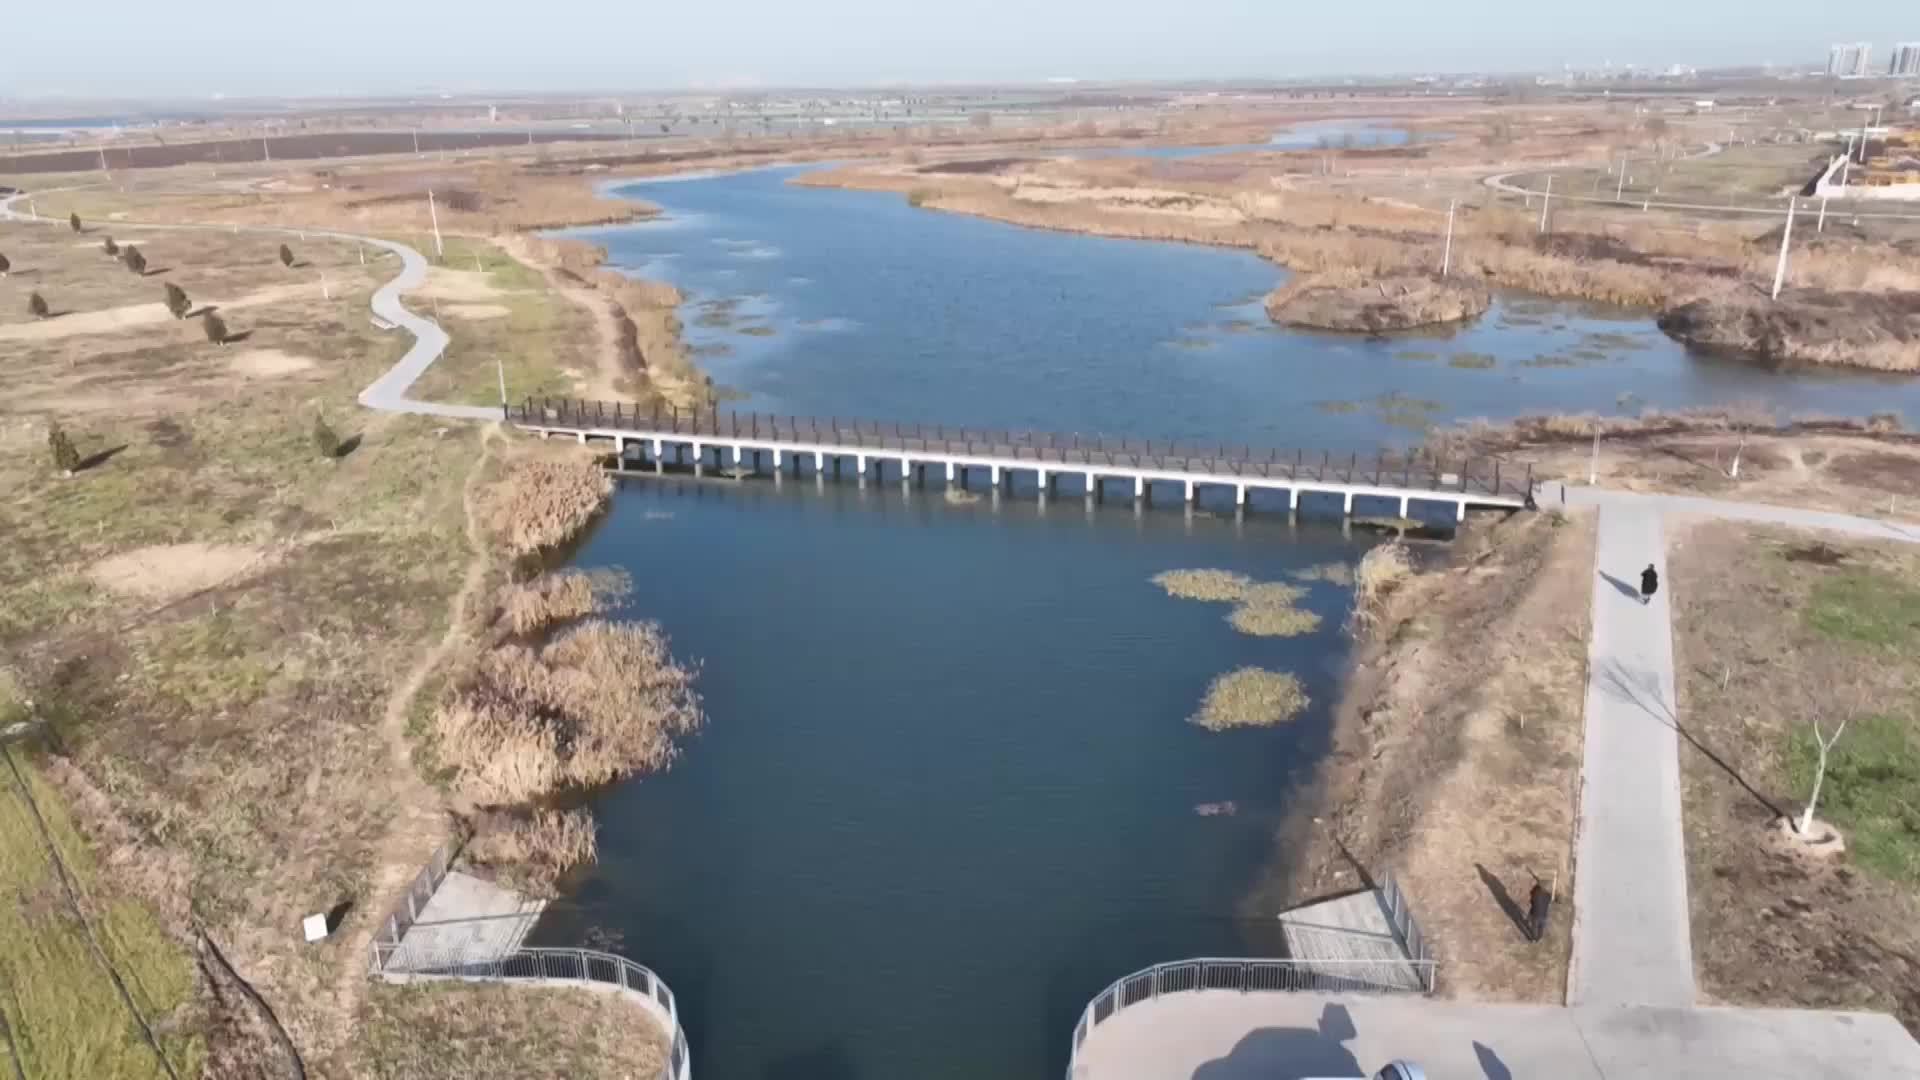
(1290, 1053)
(1642, 690)
(1631, 592)
(1490, 1062)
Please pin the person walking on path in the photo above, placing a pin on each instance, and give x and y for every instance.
(1649, 584)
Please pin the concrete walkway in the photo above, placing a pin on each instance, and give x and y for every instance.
(388, 393)
(1631, 939)
(1227, 1035)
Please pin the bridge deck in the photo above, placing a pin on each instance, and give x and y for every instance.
(1465, 481)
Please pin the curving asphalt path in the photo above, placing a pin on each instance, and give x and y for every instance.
(388, 393)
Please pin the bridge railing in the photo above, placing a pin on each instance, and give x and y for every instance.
(1250, 976)
(1485, 475)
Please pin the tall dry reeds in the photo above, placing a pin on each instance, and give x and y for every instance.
(599, 702)
(1380, 574)
(542, 504)
(531, 852)
(547, 600)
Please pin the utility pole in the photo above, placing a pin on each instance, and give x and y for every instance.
(1544, 200)
(1822, 227)
(1780, 272)
(1620, 187)
(500, 365)
(416, 142)
(1446, 253)
(326, 292)
(266, 152)
(439, 251)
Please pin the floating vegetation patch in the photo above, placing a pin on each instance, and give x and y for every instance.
(1415, 354)
(961, 497)
(1239, 326)
(1338, 408)
(1273, 620)
(1475, 361)
(757, 330)
(1191, 344)
(1549, 360)
(1401, 411)
(1218, 586)
(1251, 697)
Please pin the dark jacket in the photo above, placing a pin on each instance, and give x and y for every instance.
(1649, 581)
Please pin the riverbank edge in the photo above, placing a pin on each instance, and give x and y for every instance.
(1390, 790)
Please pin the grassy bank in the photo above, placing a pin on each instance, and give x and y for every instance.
(1773, 628)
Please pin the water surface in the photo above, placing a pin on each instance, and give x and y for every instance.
(948, 790)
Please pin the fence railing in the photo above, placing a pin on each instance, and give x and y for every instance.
(1250, 976)
(407, 911)
(1400, 915)
(587, 966)
(1421, 469)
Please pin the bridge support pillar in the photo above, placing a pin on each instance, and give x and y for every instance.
(819, 463)
(1460, 510)
(1404, 501)
(1239, 494)
(995, 476)
(963, 474)
(860, 462)
(1140, 489)
(779, 461)
(1189, 493)
(1093, 487)
(1045, 483)
(1349, 504)
(583, 438)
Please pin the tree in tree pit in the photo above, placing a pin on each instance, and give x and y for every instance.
(324, 438)
(1824, 744)
(65, 457)
(136, 262)
(73, 222)
(112, 249)
(37, 305)
(215, 327)
(177, 301)
(286, 256)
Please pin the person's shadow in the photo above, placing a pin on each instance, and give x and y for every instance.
(1631, 592)
(1490, 1062)
(1290, 1053)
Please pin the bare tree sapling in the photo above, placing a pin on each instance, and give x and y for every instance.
(215, 328)
(177, 302)
(286, 256)
(36, 305)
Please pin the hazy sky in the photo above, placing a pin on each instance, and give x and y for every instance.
(240, 47)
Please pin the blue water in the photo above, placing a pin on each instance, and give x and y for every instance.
(948, 790)
(875, 309)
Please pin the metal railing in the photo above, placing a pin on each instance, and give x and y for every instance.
(1400, 915)
(549, 965)
(1250, 976)
(1414, 470)
(407, 911)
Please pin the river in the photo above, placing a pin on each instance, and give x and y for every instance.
(948, 790)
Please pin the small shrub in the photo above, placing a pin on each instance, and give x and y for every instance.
(73, 222)
(324, 439)
(177, 301)
(112, 249)
(37, 305)
(136, 263)
(6, 267)
(215, 328)
(286, 256)
(1251, 697)
(1380, 574)
(65, 457)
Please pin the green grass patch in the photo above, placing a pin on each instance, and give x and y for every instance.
(1872, 791)
(59, 1002)
(1866, 606)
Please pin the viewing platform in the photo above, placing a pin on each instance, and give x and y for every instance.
(749, 442)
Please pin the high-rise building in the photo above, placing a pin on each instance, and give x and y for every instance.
(1849, 61)
(1906, 59)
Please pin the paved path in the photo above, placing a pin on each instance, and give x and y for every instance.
(1631, 938)
(1761, 513)
(1227, 1035)
(388, 393)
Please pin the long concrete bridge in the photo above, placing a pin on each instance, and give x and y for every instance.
(745, 442)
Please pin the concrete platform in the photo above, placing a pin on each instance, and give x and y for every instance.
(1351, 935)
(468, 920)
(1227, 1035)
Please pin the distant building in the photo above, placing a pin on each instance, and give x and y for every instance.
(1906, 59)
(1849, 61)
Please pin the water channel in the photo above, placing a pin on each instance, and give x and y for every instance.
(948, 790)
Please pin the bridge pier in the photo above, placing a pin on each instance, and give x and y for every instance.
(1140, 492)
(963, 476)
(860, 462)
(1189, 493)
(819, 463)
(1460, 510)
(1404, 501)
(995, 476)
(1240, 496)
(1349, 504)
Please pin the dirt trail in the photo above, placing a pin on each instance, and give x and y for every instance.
(601, 384)
(419, 812)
